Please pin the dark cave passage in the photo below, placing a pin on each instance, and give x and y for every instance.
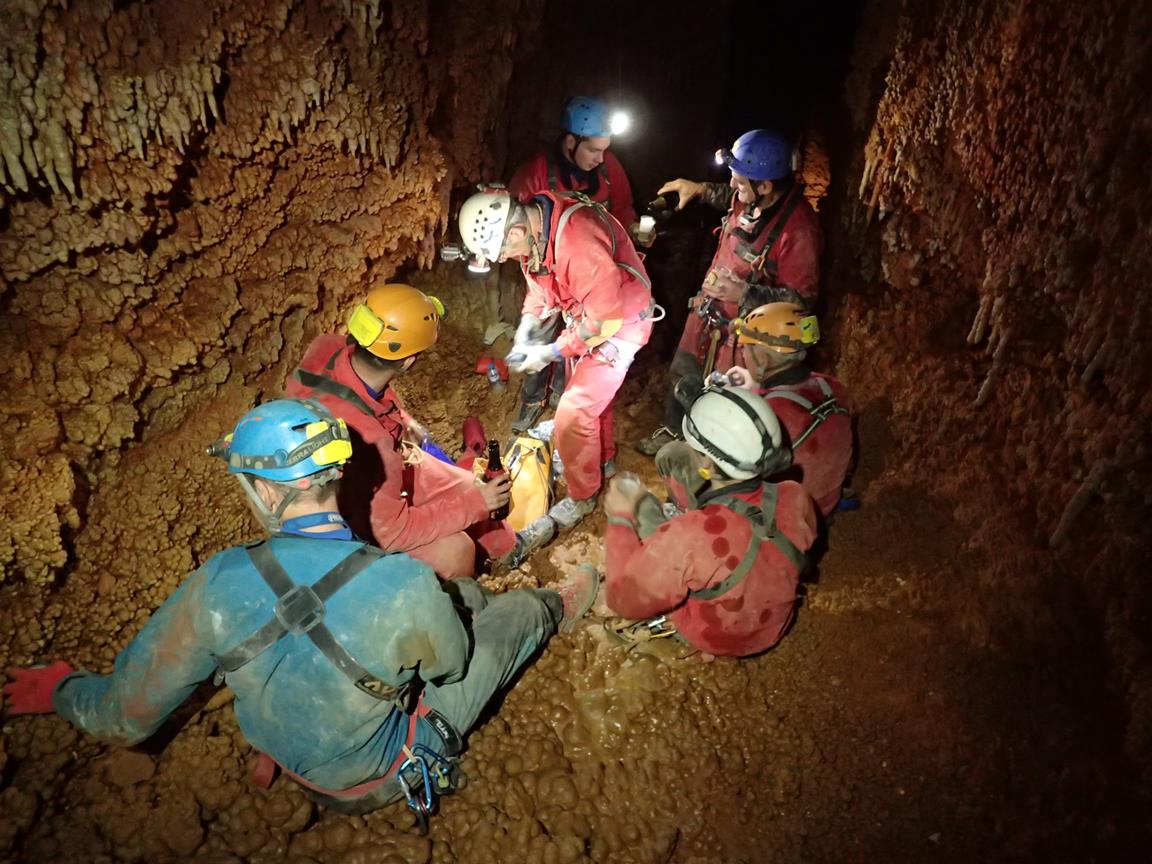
(191, 192)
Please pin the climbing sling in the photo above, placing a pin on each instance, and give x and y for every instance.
(819, 413)
(299, 610)
(762, 518)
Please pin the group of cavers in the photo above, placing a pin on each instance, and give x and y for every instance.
(359, 646)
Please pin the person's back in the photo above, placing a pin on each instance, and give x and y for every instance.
(291, 701)
(699, 550)
(814, 412)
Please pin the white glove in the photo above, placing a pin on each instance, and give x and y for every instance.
(526, 332)
(532, 358)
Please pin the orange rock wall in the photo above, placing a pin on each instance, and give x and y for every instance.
(994, 242)
(191, 190)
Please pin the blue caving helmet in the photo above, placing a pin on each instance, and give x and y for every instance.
(759, 155)
(586, 117)
(287, 440)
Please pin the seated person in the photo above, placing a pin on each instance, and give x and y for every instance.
(393, 495)
(723, 572)
(813, 408)
(340, 656)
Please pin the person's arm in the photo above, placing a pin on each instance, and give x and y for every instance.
(622, 207)
(716, 195)
(398, 525)
(428, 636)
(152, 676)
(530, 179)
(647, 578)
(590, 274)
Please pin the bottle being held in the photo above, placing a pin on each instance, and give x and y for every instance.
(662, 208)
(496, 469)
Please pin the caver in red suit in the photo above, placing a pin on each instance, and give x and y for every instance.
(430, 509)
(699, 549)
(589, 270)
(813, 409)
(777, 254)
(550, 171)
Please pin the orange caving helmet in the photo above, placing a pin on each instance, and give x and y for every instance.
(781, 327)
(396, 321)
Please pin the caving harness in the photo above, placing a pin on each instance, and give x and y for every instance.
(653, 311)
(418, 773)
(818, 412)
(762, 519)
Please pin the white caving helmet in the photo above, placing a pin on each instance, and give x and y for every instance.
(737, 430)
(483, 221)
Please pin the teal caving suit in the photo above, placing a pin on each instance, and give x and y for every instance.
(292, 702)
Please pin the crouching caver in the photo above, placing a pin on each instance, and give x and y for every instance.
(724, 572)
(395, 494)
(351, 668)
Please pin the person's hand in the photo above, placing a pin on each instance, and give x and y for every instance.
(531, 358)
(624, 493)
(738, 376)
(527, 332)
(721, 284)
(30, 690)
(686, 189)
(496, 492)
(415, 432)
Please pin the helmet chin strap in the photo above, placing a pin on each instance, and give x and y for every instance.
(270, 520)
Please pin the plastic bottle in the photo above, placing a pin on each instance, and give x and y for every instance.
(496, 469)
(494, 377)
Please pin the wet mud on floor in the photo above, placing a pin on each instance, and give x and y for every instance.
(887, 725)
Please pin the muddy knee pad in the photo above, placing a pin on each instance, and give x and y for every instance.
(674, 463)
(649, 515)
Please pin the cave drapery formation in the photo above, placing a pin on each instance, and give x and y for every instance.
(192, 189)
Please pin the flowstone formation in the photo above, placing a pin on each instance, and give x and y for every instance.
(190, 191)
(1003, 233)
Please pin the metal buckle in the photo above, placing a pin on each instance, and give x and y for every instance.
(299, 610)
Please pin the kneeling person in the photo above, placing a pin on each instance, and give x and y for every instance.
(725, 571)
(362, 653)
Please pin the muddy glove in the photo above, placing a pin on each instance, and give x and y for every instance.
(30, 690)
(532, 358)
(528, 332)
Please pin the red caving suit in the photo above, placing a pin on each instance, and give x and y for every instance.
(821, 462)
(700, 548)
(431, 510)
(789, 269)
(540, 174)
(595, 276)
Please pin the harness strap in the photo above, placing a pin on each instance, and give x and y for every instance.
(819, 413)
(324, 384)
(763, 521)
(778, 226)
(300, 610)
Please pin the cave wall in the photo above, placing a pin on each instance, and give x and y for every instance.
(191, 190)
(992, 245)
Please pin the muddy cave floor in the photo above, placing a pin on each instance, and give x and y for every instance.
(880, 728)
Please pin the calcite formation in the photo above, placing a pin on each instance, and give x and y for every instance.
(1001, 244)
(188, 188)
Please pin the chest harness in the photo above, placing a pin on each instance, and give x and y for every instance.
(419, 774)
(819, 412)
(754, 247)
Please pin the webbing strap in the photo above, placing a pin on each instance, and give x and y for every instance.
(819, 413)
(778, 228)
(763, 521)
(324, 384)
(291, 595)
